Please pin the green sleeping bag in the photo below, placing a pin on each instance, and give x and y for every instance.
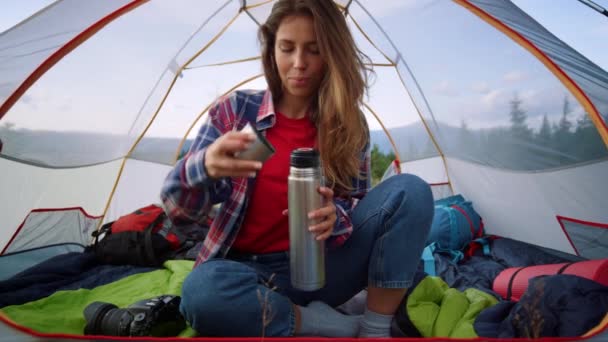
(437, 310)
(62, 312)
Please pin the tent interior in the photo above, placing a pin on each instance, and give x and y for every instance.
(99, 99)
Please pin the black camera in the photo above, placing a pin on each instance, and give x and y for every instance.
(158, 316)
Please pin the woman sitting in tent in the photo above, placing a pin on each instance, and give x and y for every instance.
(240, 283)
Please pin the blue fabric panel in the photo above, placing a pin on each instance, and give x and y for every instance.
(13, 263)
(68, 271)
(513, 253)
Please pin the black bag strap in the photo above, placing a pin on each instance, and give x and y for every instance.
(148, 247)
(563, 268)
(156, 221)
(510, 287)
(148, 253)
(105, 229)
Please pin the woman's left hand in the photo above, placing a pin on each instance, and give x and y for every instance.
(326, 216)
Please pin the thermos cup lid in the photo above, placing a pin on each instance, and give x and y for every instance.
(305, 158)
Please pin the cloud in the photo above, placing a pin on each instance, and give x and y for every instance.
(480, 87)
(514, 76)
(493, 99)
(532, 97)
(445, 88)
(549, 101)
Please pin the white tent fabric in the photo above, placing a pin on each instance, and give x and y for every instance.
(577, 194)
(99, 98)
(534, 200)
(137, 188)
(26, 187)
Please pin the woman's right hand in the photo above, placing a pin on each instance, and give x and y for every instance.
(220, 161)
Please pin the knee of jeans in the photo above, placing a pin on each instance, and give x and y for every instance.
(415, 194)
(202, 299)
(197, 291)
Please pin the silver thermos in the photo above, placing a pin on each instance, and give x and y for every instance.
(306, 254)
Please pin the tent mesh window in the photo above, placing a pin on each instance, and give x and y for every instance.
(589, 239)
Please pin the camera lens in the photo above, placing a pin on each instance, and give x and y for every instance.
(117, 322)
(106, 319)
(94, 314)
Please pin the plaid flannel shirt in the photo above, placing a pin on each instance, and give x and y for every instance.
(188, 194)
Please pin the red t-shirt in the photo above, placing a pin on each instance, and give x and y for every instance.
(265, 229)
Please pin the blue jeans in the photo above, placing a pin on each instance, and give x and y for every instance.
(251, 295)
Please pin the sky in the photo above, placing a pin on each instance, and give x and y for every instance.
(453, 93)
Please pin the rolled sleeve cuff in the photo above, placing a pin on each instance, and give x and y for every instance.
(342, 229)
(341, 219)
(196, 177)
(196, 174)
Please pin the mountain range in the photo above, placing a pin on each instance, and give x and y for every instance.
(55, 148)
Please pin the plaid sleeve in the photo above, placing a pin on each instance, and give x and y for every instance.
(345, 205)
(188, 194)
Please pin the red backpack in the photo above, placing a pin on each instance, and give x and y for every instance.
(150, 217)
(143, 237)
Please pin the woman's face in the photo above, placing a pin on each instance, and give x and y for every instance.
(300, 65)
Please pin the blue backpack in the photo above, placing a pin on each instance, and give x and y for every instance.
(455, 224)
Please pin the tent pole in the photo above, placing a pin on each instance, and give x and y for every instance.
(242, 60)
(244, 9)
(390, 138)
(595, 6)
(370, 40)
(346, 7)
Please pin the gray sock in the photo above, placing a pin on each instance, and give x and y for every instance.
(320, 319)
(374, 324)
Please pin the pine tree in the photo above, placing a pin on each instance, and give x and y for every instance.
(545, 133)
(583, 123)
(380, 163)
(588, 140)
(518, 118)
(564, 124)
(563, 135)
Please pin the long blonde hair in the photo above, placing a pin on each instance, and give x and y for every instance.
(342, 131)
